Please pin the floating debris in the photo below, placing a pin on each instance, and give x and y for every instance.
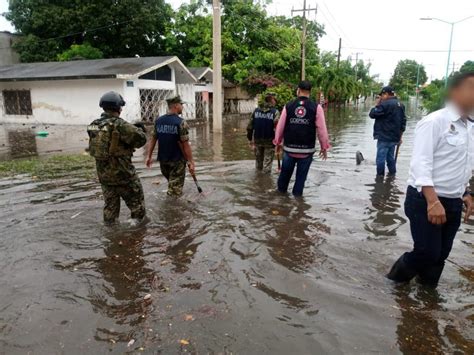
(184, 342)
(76, 215)
(130, 343)
(147, 297)
(189, 252)
(188, 317)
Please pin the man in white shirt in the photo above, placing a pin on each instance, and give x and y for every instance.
(440, 170)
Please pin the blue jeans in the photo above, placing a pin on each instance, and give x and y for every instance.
(287, 169)
(386, 154)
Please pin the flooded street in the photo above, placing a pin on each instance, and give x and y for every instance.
(237, 270)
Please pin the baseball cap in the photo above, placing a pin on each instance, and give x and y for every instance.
(175, 100)
(386, 90)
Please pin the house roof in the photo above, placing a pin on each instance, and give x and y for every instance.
(201, 72)
(121, 68)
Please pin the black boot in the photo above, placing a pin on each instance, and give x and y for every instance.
(430, 276)
(400, 272)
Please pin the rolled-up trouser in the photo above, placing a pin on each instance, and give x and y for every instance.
(264, 157)
(175, 173)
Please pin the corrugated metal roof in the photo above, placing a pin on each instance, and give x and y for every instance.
(92, 69)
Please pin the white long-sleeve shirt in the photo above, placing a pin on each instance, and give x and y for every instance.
(443, 153)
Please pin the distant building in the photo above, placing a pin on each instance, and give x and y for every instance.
(203, 91)
(69, 92)
(237, 100)
(8, 55)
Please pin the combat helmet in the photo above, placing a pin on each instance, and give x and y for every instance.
(111, 101)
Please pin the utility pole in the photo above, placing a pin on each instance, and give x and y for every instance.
(339, 52)
(216, 67)
(355, 65)
(417, 88)
(450, 39)
(304, 10)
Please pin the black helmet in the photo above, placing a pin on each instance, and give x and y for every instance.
(111, 100)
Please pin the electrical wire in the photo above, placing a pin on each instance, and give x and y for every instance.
(408, 50)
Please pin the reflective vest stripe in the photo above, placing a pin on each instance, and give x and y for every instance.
(297, 150)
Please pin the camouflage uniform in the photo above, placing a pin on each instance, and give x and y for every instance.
(175, 171)
(112, 142)
(264, 148)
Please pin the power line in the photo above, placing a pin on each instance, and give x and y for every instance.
(347, 38)
(79, 33)
(408, 50)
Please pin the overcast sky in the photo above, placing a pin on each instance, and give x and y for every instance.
(369, 27)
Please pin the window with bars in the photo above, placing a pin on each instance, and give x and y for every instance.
(17, 102)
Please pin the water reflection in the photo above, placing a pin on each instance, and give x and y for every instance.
(384, 218)
(418, 331)
(126, 279)
(298, 236)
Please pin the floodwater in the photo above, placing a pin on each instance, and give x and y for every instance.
(239, 269)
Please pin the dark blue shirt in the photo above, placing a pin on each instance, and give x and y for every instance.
(167, 131)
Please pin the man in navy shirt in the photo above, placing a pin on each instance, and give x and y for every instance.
(174, 151)
(261, 132)
(390, 123)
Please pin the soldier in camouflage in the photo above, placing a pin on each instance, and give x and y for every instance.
(261, 132)
(174, 151)
(112, 142)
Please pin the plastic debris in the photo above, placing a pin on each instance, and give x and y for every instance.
(188, 317)
(147, 297)
(130, 343)
(184, 342)
(77, 214)
(189, 252)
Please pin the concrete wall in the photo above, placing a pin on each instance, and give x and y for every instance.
(188, 95)
(76, 102)
(132, 110)
(61, 101)
(7, 54)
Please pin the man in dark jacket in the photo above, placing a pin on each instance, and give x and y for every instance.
(261, 132)
(390, 123)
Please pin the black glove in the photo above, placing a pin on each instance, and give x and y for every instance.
(140, 125)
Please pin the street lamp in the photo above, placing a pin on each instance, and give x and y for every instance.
(450, 39)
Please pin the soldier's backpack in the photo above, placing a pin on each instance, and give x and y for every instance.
(103, 139)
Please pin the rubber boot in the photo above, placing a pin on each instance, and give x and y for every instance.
(430, 276)
(400, 272)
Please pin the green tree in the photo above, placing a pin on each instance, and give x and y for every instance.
(118, 28)
(284, 94)
(80, 51)
(433, 95)
(404, 77)
(467, 67)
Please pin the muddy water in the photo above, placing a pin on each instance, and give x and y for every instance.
(239, 270)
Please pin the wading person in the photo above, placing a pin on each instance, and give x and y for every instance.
(440, 170)
(174, 151)
(301, 121)
(112, 142)
(261, 132)
(390, 123)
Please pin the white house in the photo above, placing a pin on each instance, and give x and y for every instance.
(203, 91)
(69, 92)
